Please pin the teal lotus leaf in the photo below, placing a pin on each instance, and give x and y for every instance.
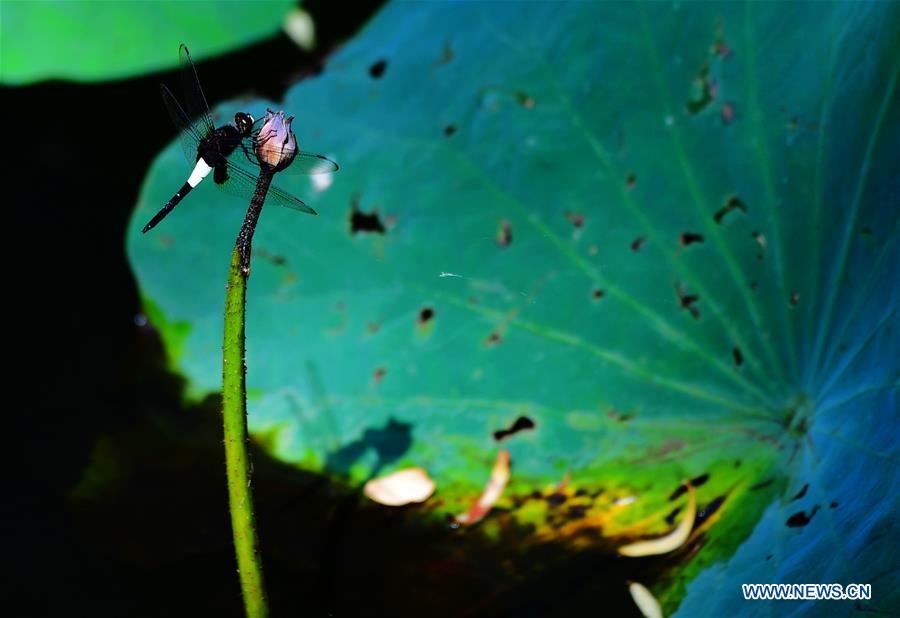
(665, 233)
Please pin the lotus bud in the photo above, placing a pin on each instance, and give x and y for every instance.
(276, 145)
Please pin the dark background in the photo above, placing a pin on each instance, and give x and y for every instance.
(118, 504)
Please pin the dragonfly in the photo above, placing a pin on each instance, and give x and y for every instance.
(231, 152)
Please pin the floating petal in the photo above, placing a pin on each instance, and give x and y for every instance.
(492, 491)
(400, 488)
(671, 541)
(645, 601)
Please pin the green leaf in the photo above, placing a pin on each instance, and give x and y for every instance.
(665, 233)
(93, 41)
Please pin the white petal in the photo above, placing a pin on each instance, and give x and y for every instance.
(671, 541)
(645, 601)
(400, 488)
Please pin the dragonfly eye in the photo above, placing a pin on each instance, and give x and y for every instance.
(244, 123)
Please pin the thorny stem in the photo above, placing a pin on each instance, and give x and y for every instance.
(234, 412)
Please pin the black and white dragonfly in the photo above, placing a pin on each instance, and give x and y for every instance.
(231, 152)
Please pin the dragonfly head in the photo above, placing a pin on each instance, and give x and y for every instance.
(244, 123)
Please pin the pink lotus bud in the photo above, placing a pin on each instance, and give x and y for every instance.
(276, 145)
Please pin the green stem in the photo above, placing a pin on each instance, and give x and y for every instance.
(234, 412)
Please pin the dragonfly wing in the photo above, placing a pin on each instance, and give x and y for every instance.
(197, 108)
(242, 183)
(187, 133)
(309, 163)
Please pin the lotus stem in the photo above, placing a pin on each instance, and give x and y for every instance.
(234, 413)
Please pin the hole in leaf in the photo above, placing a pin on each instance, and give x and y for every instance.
(700, 480)
(762, 484)
(504, 234)
(637, 243)
(707, 511)
(689, 238)
(687, 302)
(670, 518)
(426, 314)
(556, 499)
(449, 130)
(575, 218)
(364, 221)
(733, 203)
(738, 357)
(378, 69)
(801, 493)
(522, 423)
(798, 520)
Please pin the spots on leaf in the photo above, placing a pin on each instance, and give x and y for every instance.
(637, 243)
(446, 55)
(794, 299)
(378, 375)
(365, 222)
(737, 356)
(754, 285)
(733, 203)
(619, 417)
(521, 424)
(373, 327)
(597, 294)
(761, 241)
(274, 258)
(504, 237)
(525, 100)
(630, 181)
(575, 218)
(727, 113)
(800, 519)
(449, 130)
(833, 505)
(377, 69)
(493, 339)
(689, 238)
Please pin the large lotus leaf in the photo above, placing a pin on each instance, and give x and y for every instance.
(667, 234)
(86, 40)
